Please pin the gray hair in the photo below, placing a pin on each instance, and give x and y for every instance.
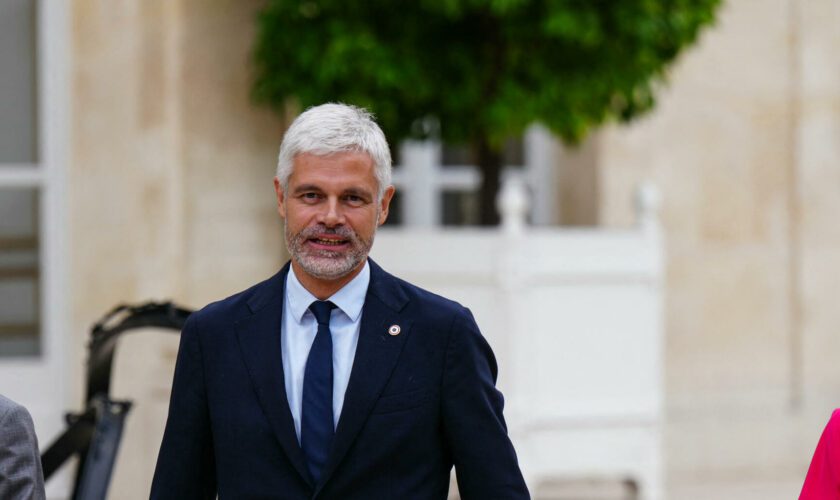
(335, 128)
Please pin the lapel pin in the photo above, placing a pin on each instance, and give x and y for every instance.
(394, 330)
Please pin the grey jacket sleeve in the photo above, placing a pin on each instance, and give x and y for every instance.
(21, 476)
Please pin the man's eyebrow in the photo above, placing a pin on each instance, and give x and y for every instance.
(361, 192)
(307, 187)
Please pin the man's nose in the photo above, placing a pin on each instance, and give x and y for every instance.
(332, 215)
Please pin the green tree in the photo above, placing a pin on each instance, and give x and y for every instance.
(484, 69)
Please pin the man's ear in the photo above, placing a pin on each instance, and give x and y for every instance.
(281, 198)
(384, 204)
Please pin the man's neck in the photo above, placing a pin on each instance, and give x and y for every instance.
(323, 289)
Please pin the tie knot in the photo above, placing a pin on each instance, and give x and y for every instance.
(322, 309)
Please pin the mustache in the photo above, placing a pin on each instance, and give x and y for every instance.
(321, 229)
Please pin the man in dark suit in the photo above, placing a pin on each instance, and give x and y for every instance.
(21, 477)
(334, 379)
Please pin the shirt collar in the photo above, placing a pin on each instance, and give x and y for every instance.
(349, 299)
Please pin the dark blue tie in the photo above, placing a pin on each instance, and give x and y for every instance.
(316, 428)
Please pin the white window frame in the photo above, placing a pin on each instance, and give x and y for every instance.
(421, 179)
(38, 382)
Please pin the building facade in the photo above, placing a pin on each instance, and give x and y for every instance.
(147, 172)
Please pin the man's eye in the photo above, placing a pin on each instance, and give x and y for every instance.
(354, 200)
(310, 196)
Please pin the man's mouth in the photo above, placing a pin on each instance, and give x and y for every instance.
(329, 242)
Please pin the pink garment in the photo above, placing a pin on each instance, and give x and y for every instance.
(823, 479)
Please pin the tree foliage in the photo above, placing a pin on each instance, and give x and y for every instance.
(483, 69)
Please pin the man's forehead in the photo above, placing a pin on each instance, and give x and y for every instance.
(351, 162)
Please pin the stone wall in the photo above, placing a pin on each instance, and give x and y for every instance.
(744, 146)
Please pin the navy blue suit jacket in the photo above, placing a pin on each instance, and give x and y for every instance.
(417, 403)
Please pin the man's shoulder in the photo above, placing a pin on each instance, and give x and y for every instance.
(429, 298)
(430, 304)
(243, 303)
(6, 405)
(12, 411)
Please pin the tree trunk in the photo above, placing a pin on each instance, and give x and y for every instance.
(489, 161)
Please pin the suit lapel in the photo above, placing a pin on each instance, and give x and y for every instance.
(376, 356)
(259, 341)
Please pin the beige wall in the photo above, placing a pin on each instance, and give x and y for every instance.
(744, 146)
(170, 184)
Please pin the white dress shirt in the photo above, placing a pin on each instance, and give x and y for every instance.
(299, 329)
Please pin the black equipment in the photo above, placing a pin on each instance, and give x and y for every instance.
(95, 433)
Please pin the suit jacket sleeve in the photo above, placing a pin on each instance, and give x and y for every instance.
(484, 458)
(21, 475)
(185, 467)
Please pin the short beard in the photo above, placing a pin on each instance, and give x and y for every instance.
(327, 264)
